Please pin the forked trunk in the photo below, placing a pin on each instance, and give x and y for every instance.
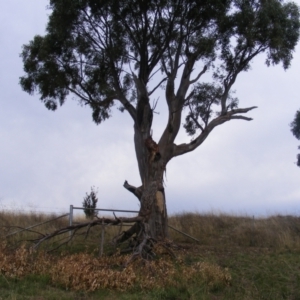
(151, 194)
(152, 164)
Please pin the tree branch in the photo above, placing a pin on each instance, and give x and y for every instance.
(75, 228)
(199, 75)
(195, 119)
(231, 115)
(129, 107)
(155, 88)
(137, 191)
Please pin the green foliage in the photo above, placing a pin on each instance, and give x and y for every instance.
(90, 204)
(205, 97)
(92, 48)
(295, 125)
(295, 128)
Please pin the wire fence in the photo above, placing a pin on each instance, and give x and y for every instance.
(36, 225)
(71, 223)
(72, 208)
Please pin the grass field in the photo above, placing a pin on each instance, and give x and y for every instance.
(238, 257)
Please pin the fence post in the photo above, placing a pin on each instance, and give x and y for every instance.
(102, 239)
(252, 242)
(71, 219)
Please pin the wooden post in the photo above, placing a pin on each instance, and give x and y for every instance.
(71, 219)
(102, 239)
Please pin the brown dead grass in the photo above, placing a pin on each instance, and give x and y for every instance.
(85, 272)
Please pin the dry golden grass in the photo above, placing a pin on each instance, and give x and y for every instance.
(210, 229)
(85, 272)
(275, 231)
(14, 222)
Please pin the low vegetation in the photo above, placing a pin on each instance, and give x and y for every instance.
(237, 257)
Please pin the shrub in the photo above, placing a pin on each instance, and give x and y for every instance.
(90, 204)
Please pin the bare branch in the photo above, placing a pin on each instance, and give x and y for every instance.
(241, 118)
(231, 115)
(163, 63)
(164, 79)
(199, 75)
(74, 228)
(136, 191)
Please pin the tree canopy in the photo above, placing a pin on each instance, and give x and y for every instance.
(95, 49)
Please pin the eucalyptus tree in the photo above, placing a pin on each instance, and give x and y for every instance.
(295, 128)
(122, 53)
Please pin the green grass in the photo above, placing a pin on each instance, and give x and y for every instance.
(260, 273)
(261, 255)
(257, 273)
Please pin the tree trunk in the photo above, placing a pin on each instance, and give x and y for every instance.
(153, 206)
(153, 209)
(152, 166)
(153, 200)
(151, 194)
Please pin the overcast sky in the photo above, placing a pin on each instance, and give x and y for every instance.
(49, 160)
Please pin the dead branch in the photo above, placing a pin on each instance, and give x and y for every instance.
(141, 244)
(74, 228)
(137, 191)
